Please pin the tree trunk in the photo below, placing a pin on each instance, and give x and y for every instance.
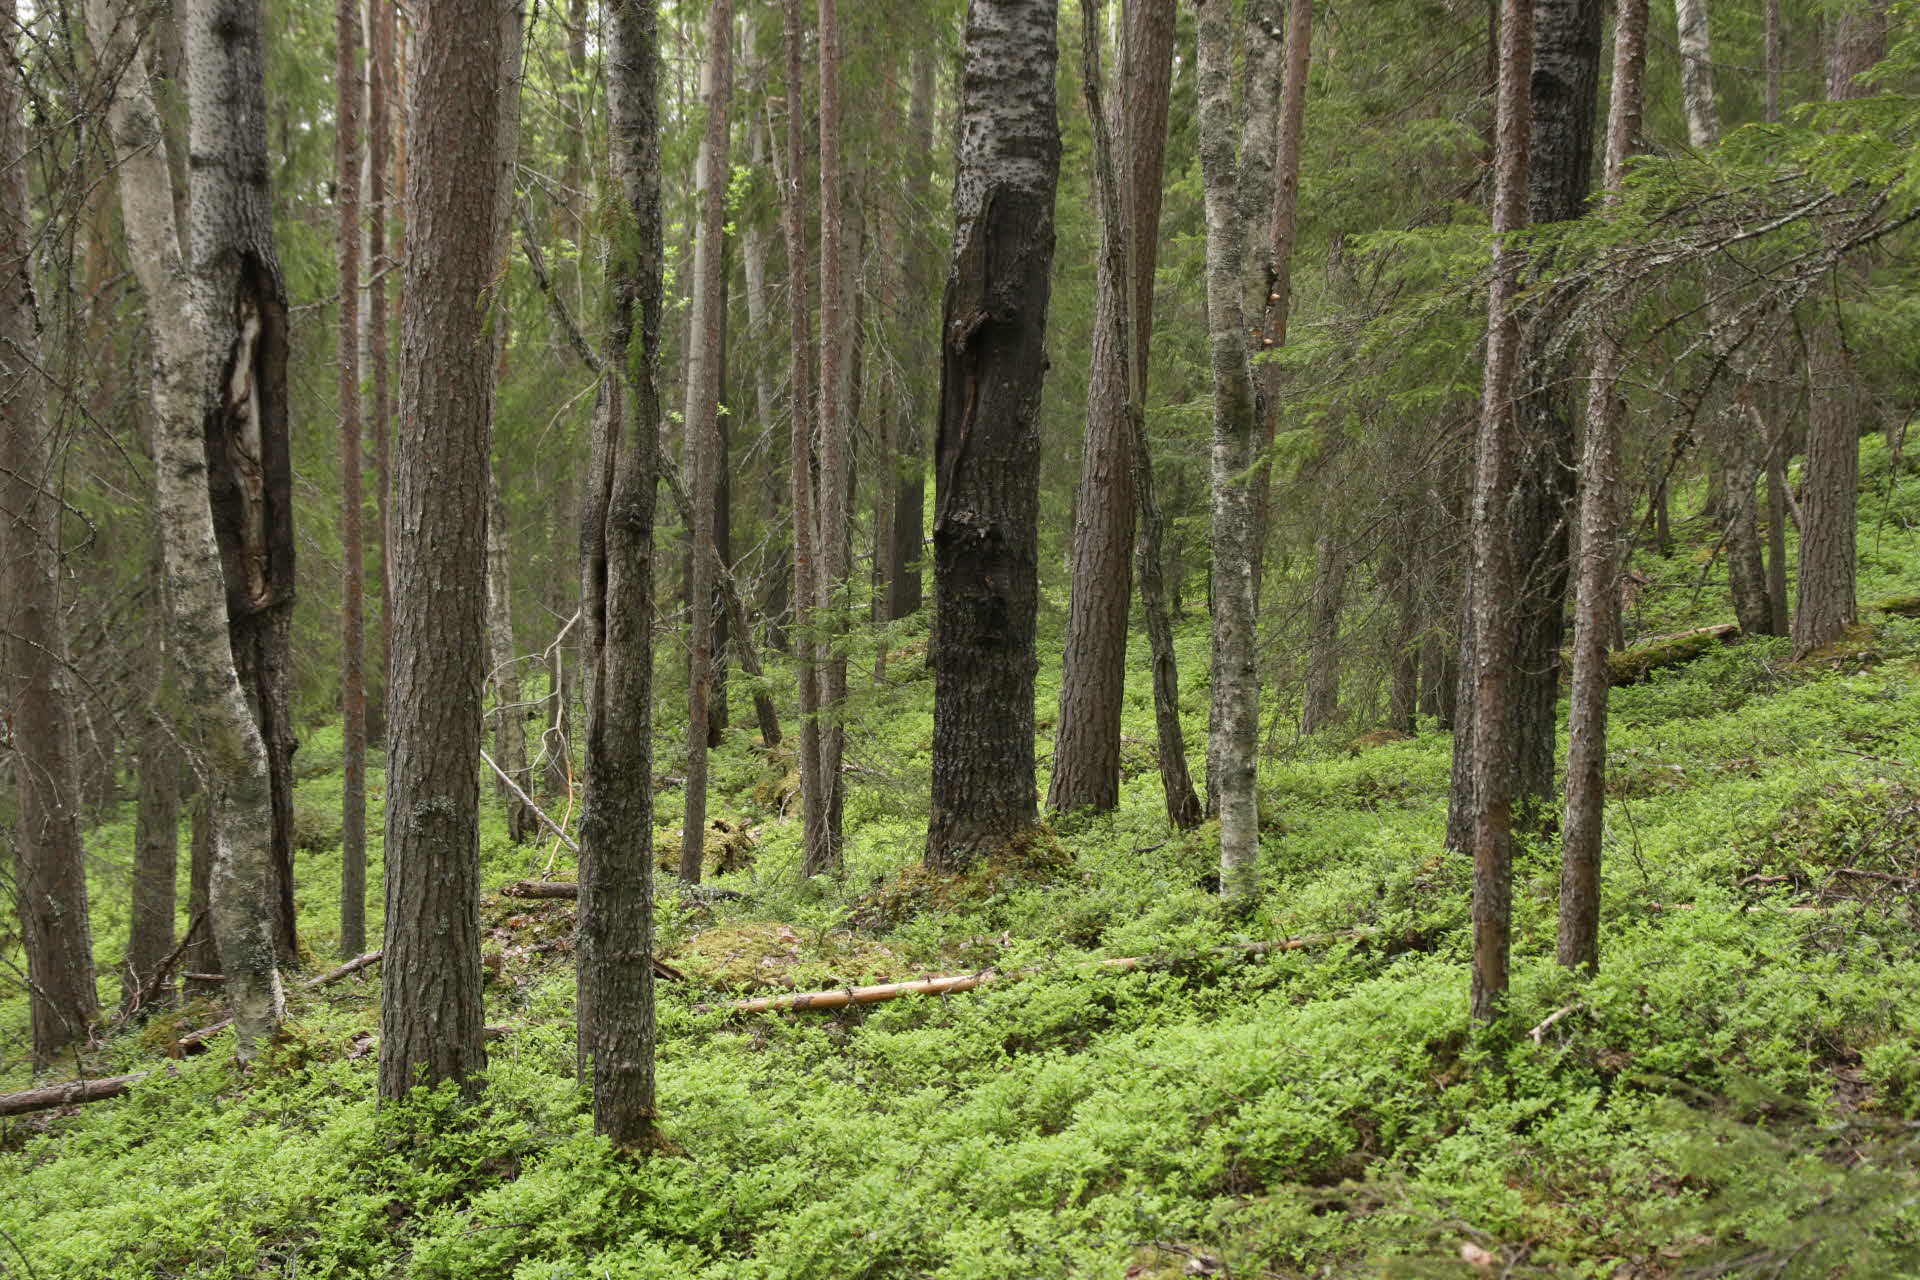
(509, 712)
(221, 730)
(249, 461)
(909, 445)
(815, 795)
(616, 829)
(987, 447)
(704, 357)
(1602, 488)
(156, 854)
(1086, 766)
(379, 144)
(49, 862)
(1827, 607)
(431, 1011)
(1322, 704)
(757, 248)
(1491, 603)
(1237, 188)
(831, 578)
(203, 952)
(353, 692)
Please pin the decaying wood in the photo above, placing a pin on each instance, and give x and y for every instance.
(953, 983)
(70, 1093)
(567, 889)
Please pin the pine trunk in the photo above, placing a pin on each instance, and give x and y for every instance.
(353, 692)
(987, 447)
(380, 98)
(1322, 705)
(431, 1015)
(49, 862)
(616, 831)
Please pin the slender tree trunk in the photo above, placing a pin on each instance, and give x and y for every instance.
(831, 584)
(757, 249)
(616, 830)
(249, 460)
(353, 691)
(503, 663)
(704, 359)
(156, 855)
(909, 444)
(1491, 600)
(49, 863)
(1827, 605)
(1086, 768)
(1322, 705)
(815, 794)
(987, 450)
(230, 754)
(1235, 188)
(431, 1013)
(1602, 488)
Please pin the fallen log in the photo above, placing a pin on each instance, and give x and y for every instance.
(1630, 666)
(70, 1093)
(953, 983)
(541, 889)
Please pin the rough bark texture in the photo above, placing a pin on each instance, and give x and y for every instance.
(1086, 761)
(814, 794)
(1826, 605)
(156, 856)
(49, 867)
(757, 248)
(430, 1015)
(217, 724)
(831, 586)
(249, 459)
(1237, 188)
(1491, 604)
(1322, 697)
(1602, 490)
(353, 689)
(616, 830)
(702, 419)
(987, 447)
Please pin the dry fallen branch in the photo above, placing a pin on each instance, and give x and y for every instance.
(953, 983)
(70, 1093)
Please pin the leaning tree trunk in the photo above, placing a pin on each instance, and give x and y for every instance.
(1491, 604)
(353, 688)
(249, 460)
(987, 448)
(1827, 605)
(431, 1016)
(1602, 489)
(49, 863)
(219, 726)
(616, 829)
(1236, 192)
(702, 421)
(1086, 758)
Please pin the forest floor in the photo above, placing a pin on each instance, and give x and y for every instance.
(1735, 1093)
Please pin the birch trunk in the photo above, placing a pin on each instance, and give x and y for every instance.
(987, 450)
(616, 830)
(1597, 589)
(49, 862)
(228, 751)
(704, 356)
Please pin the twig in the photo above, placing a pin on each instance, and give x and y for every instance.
(1546, 1024)
(527, 800)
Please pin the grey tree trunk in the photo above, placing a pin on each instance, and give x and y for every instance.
(814, 790)
(1086, 763)
(1491, 603)
(704, 363)
(616, 830)
(909, 442)
(1237, 191)
(430, 1010)
(156, 856)
(757, 248)
(987, 448)
(1322, 705)
(833, 542)
(353, 689)
(380, 97)
(243, 301)
(219, 727)
(1597, 590)
(49, 863)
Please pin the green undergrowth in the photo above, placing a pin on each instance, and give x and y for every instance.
(1735, 1092)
